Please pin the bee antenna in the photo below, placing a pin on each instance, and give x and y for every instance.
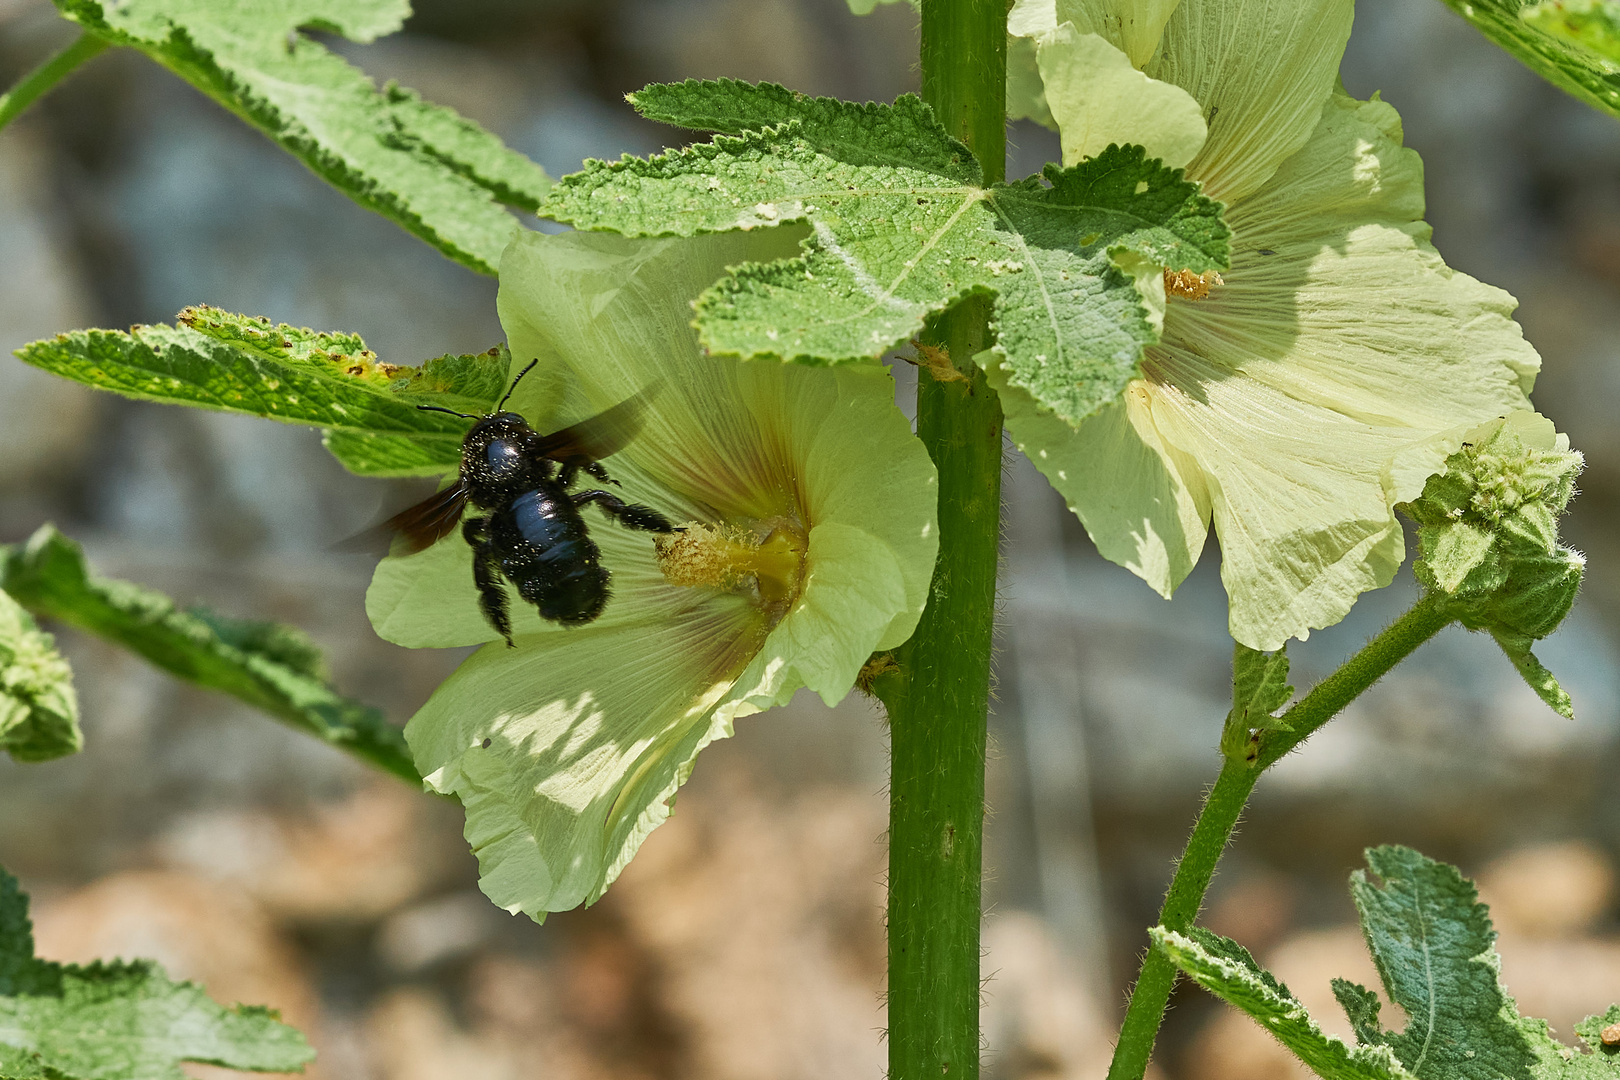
(515, 381)
(452, 412)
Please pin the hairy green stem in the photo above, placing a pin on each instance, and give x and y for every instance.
(938, 698)
(1224, 805)
(47, 75)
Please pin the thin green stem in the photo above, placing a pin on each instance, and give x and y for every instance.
(938, 697)
(47, 75)
(1224, 806)
(1328, 697)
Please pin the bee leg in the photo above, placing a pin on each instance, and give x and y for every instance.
(566, 474)
(598, 470)
(630, 515)
(486, 575)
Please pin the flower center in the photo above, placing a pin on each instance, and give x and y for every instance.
(727, 557)
(1190, 286)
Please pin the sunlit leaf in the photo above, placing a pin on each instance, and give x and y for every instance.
(430, 171)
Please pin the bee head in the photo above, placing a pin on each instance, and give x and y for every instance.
(495, 449)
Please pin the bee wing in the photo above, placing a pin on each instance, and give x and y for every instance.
(602, 435)
(422, 525)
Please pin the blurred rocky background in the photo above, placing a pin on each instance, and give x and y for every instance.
(746, 941)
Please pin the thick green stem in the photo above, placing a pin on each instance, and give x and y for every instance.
(938, 698)
(47, 75)
(1225, 804)
(964, 75)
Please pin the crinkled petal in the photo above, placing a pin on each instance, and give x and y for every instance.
(1097, 99)
(1321, 384)
(1336, 296)
(1261, 69)
(1301, 496)
(1330, 375)
(1132, 26)
(1142, 501)
(588, 739)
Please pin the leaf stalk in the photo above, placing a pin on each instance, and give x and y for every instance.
(16, 100)
(1224, 805)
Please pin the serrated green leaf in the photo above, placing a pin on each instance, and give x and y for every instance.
(120, 1020)
(1570, 67)
(269, 667)
(1223, 972)
(39, 710)
(1362, 1007)
(1432, 943)
(1591, 1032)
(236, 363)
(901, 229)
(422, 166)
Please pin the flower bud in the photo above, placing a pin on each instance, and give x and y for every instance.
(1488, 538)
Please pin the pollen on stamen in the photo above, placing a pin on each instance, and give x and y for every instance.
(1190, 286)
(728, 557)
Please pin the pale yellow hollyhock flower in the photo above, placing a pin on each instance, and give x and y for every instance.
(810, 539)
(1329, 372)
(1074, 65)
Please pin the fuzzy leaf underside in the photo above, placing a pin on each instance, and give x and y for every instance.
(901, 228)
(1433, 946)
(1218, 965)
(422, 166)
(120, 1020)
(217, 360)
(1583, 74)
(272, 667)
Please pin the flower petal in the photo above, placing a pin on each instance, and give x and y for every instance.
(853, 443)
(616, 314)
(1330, 375)
(1097, 99)
(1335, 295)
(1142, 501)
(1261, 69)
(1301, 496)
(734, 438)
(587, 741)
(1026, 93)
(1132, 26)
(590, 731)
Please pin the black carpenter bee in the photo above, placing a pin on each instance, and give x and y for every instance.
(533, 533)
